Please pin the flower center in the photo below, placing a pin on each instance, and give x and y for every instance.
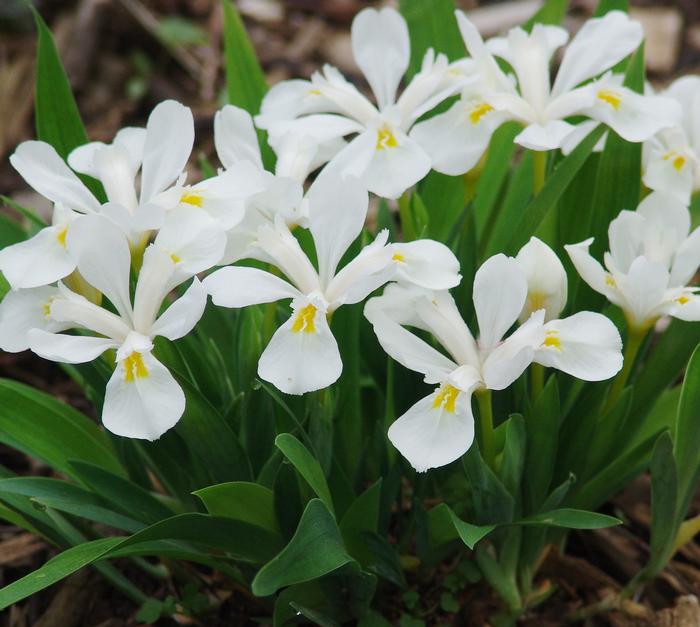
(192, 198)
(552, 340)
(304, 320)
(385, 138)
(446, 398)
(612, 98)
(134, 367)
(479, 112)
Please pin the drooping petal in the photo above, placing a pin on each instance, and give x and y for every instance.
(687, 260)
(236, 286)
(457, 139)
(626, 237)
(40, 260)
(101, 253)
(194, 241)
(382, 49)
(426, 263)
(505, 363)
(22, 310)
(337, 212)
(169, 140)
(179, 319)
(599, 45)
(302, 355)
(684, 306)
(156, 278)
(590, 269)
(669, 172)
(235, 138)
(142, 400)
(644, 288)
(435, 431)
(76, 311)
(68, 349)
(586, 345)
(549, 136)
(40, 165)
(500, 290)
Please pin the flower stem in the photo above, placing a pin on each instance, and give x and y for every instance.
(536, 380)
(539, 170)
(488, 448)
(635, 338)
(406, 218)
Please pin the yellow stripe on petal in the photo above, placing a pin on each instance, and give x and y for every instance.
(304, 320)
(479, 112)
(613, 98)
(61, 236)
(399, 258)
(551, 339)
(192, 198)
(385, 138)
(446, 398)
(134, 367)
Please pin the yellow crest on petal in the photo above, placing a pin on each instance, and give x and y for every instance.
(613, 98)
(446, 398)
(304, 320)
(385, 138)
(134, 367)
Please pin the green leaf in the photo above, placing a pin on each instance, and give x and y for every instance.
(316, 549)
(551, 12)
(611, 5)
(362, 517)
(470, 534)
(249, 502)
(571, 519)
(513, 459)
(547, 199)
(431, 25)
(307, 466)
(42, 427)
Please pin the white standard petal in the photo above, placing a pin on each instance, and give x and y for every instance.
(142, 400)
(23, 310)
(600, 44)
(644, 288)
(302, 355)
(40, 165)
(235, 138)
(236, 286)
(101, 253)
(337, 212)
(546, 279)
(382, 49)
(589, 268)
(586, 345)
(169, 140)
(179, 319)
(38, 261)
(426, 263)
(68, 349)
(437, 430)
(157, 278)
(500, 290)
(687, 260)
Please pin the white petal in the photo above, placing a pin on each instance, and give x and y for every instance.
(426, 263)
(115, 171)
(22, 310)
(156, 279)
(626, 237)
(337, 212)
(194, 241)
(82, 158)
(179, 319)
(500, 290)
(586, 345)
(590, 269)
(508, 360)
(393, 170)
(686, 308)
(74, 310)
(38, 261)
(142, 405)
(687, 260)
(101, 253)
(548, 137)
(236, 286)
(303, 360)
(644, 289)
(133, 139)
(406, 348)
(671, 174)
(429, 436)
(39, 164)
(381, 48)
(235, 138)
(169, 140)
(67, 349)
(546, 279)
(457, 139)
(580, 132)
(600, 44)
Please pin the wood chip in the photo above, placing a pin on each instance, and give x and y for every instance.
(19, 548)
(686, 613)
(663, 29)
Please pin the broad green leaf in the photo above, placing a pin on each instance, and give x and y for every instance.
(124, 495)
(40, 426)
(611, 5)
(249, 502)
(551, 12)
(490, 501)
(571, 519)
(513, 457)
(316, 549)
(554, 187)
(431, 25)
(307, 466)
(69, 498)
(469, 534)
(10, 232)
(499, 579)
(360, 518)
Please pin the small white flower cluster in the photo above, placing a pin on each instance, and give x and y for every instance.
(161, 232)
